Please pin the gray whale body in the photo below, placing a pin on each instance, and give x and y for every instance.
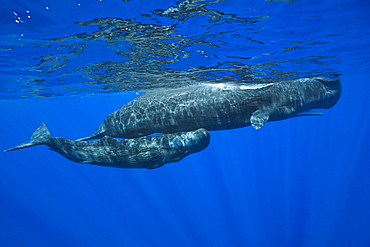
(147, 152)
(218, 107)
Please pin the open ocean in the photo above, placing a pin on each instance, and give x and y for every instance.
(301, 182)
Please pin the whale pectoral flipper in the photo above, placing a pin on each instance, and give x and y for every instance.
(259, 118)
(39, 137)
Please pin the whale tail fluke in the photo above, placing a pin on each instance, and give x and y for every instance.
(39, 137)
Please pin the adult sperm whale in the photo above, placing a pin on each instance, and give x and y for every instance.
(218, 107)
(147, 152)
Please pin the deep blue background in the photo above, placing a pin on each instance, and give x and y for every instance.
(299, 182)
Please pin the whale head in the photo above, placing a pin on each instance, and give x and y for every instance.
(181, 144)
(332, 90)
(295, 98)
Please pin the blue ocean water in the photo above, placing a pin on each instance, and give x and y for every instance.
(298, 182)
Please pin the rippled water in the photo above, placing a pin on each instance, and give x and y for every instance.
(56, 49)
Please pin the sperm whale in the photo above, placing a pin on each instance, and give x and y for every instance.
(218, 107)
(146, 152)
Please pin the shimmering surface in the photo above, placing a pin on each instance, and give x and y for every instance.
(144, 46)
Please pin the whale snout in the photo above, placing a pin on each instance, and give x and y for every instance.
(333, 92)
(204, 137)
(197, 140)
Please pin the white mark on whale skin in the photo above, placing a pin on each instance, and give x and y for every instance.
(255, 86)
(224, 86)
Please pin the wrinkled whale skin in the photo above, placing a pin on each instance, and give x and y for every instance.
(147, 152)
(218, 107)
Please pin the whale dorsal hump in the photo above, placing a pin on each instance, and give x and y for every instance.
(259, 118)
